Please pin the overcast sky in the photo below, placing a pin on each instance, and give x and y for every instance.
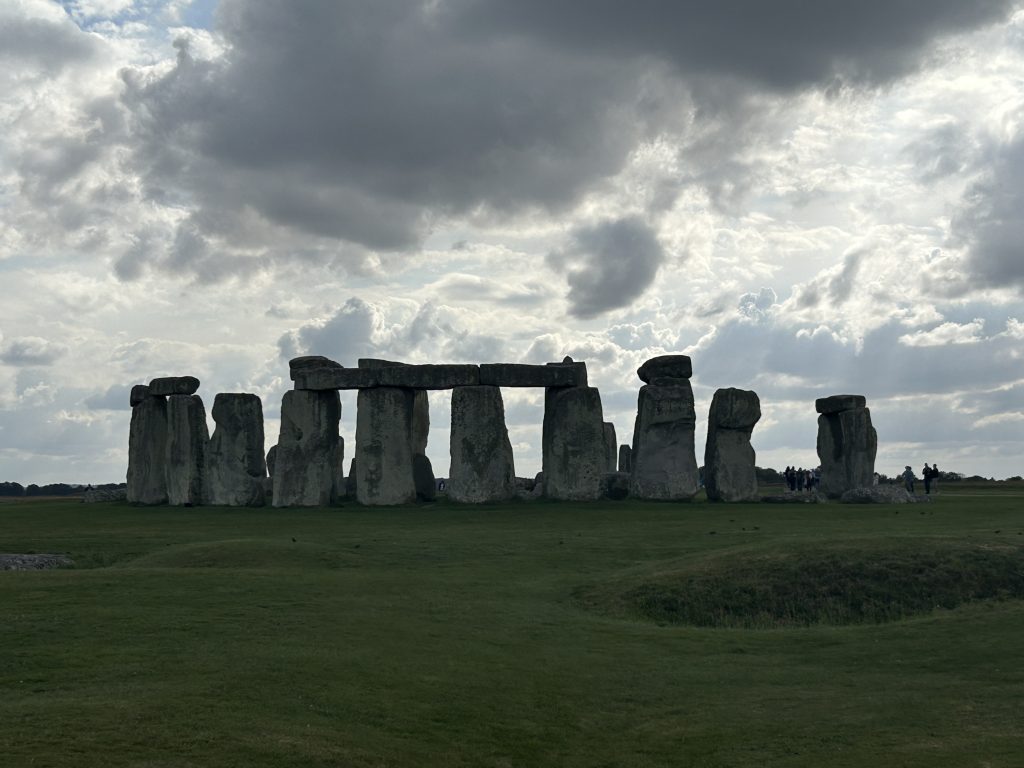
(807, 198)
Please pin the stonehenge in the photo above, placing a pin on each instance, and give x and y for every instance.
(174, 460)
(664, 461)
(847, 444)
(728, 456)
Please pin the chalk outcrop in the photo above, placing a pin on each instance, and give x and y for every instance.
(235, 465)
(482, 469)
(847, 444)
(663, 457)
(728, 455)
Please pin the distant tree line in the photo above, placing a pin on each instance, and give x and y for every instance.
(51, 489)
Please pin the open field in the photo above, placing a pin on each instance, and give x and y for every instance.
(506, 636)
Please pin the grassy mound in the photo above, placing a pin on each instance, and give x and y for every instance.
(865, 582)
(244, 553)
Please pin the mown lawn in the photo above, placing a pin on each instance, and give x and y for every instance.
(489, 636)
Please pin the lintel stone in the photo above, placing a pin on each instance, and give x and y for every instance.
(174, 385)
(520, 375)
(839, 403)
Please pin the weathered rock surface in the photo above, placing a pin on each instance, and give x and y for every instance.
(664, 458)
(839, 403)
(796, 497)
(187, 437)
(310, 362)
(147, 452)
(616, 485)
(423, 478)
(384, 439)
(235, 464)
(666, 367)
(625, 458)
(482, 468)
(611, 447)
(139, 393)
(271, 460)
(33, 562)
(847, 445)
(729, 458)
(174, 385)
(573, 444)
(519, 375)
(881, 494)
(97, 495)
(305, 470)
(396, 375)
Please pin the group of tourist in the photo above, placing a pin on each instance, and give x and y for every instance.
(930, 475)
(800, 479)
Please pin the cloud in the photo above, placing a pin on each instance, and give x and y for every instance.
(608, 265)
(46, 45)
(946, 333)
(31, 350)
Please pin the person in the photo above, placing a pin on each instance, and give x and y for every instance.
(788, 474)
(808, 480)
(875, 479)
(935, 478)
(817, 477)
(908, 479)
(926, 473)
(800, 479)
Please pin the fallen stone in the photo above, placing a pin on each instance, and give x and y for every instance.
(147, 452)
(625, 458)
(174, 385)
(666, 366)
(664, 458)
(139, 393)
(796, 497)
(33, 562)
(610, 447)
(384, 457)
(482, 469)
(99, 495)
(881, 494)
(519, 375)
(847, 445)
(187, 437)
(305, 470)
(839, 403)
(729, 458)
(573, 444)
(235, 465)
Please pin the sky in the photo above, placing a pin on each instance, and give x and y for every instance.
(806, 198)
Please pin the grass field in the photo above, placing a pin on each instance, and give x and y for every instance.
(520, 635)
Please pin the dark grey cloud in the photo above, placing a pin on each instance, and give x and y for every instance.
(608, 265)
(784, 44)
(31, 350)
(990, 222)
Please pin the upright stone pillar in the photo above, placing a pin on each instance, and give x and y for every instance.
(305, 469)
(847, 444)
(574, 456)
(147, 448)
(235, 465)
(384, 446)
(187, 437)
(625, 458)
(729, 457)
(610, 447)
(482, 469)
(664, 458)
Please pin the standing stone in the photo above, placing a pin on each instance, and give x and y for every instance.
(625, 458)
(271, 460)
(305, 470)
(384, 441)
(574, 458)
(847, 444)
(610, 447)
(482, 468)
(235, 465)
(729, 457)
(664, 458)
(187, 437)
(423, 478)
(147, 452)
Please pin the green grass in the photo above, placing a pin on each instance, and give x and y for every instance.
(506, 636)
